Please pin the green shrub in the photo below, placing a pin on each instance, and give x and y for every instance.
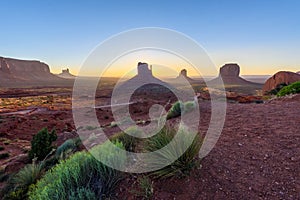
(277, 89)
(27, 175)
(179, 108)
(175, 110)
(41, 144)
(1, 148)
(129, 141)
(67, 148)
(81, 170)
(83, 194)
(185, 160)
(21, 181)
(293, 88)
(4, 155)
(189, 106)
(145, 188)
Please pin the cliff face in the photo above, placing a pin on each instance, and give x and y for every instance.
(14, 72)
(279, 78)
(15, 66)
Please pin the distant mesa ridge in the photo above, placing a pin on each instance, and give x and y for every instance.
(22, 73)
(15, 66)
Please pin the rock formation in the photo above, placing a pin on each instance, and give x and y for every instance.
(298, 72)
(143, 82)
(230, 70)
(282, 77)
(15, 73)
(65, 73)
(230, 76)
(183, 77)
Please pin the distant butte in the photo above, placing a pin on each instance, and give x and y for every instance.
(65, 73)
(183, 77)
(230, 74)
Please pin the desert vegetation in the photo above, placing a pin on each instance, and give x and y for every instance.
(293, 88)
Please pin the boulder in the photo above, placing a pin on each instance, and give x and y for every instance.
(282, 77)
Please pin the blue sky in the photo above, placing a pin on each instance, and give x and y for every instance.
(262, 36)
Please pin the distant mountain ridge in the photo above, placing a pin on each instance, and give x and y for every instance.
(23, 73)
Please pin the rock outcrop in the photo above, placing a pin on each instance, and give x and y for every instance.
(20, 73)
(298, 72)
(183, 77)
(65, 73)
(230, 70)
(143, 82)
(230, 76)
(282, 77)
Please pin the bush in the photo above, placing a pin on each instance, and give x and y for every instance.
(179, 108)
(130, 142)
(185, 160)
(1, 148)
(293, 88)
(41, 144)
(21, 181)
(145, 188)
(67, 148)
(277, 89)
(175, 110)
(80, 175)
(83, 194)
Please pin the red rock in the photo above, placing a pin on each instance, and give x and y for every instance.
(279, 78)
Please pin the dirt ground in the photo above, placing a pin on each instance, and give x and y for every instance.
(256, 157)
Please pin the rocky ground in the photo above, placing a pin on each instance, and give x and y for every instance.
(256, 157)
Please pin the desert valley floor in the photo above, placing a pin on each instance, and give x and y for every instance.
(256, 157)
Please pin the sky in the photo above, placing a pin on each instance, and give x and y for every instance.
(261, 36)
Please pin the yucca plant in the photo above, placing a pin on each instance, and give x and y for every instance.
(182, 151)
(175, 110)
(67, 148)
(19, 184)
(131, 141)
(28, 175)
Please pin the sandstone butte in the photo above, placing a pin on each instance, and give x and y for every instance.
(280, 78)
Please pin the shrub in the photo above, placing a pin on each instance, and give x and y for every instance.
(293, 88)
(179, 108)
(27, 175)
(277, 89)
(20, 182)
(67, 148)
(179, 150)
(130, 142)
(4, 155)
(41, 144)
(1, 148)
(83, 194)
(145, 188)
(79, 175)
(175, 110)
(189, 106)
